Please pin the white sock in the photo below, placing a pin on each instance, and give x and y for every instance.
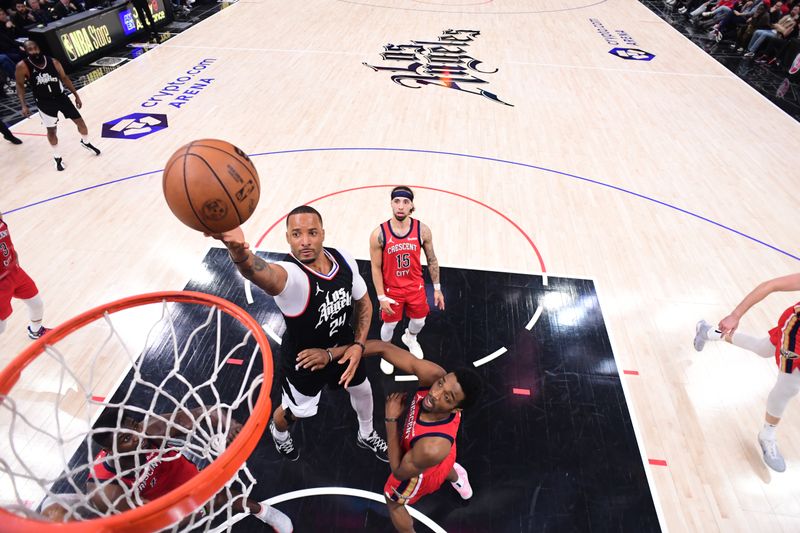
(768, 431)
(56, 153)
(35, 312)
(713, 334)
(85, 139)
(279, 435)
(361, 400)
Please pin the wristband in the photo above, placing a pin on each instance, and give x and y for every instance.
(390, 420)
(235, 262)
(330, 356)
(437, 286)
(384, 298)
(363, 348)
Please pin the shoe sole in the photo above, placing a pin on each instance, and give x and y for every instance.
(697, 329)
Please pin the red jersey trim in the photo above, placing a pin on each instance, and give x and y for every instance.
(440, 435)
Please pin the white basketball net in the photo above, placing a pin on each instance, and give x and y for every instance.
(46, 420)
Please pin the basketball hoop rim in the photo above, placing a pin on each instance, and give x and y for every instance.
(184, 500)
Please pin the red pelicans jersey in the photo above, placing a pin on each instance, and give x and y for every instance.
(402, 263)
(8, 258)
(161, 475)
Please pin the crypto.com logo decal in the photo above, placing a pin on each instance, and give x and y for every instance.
(625, 46)
(635, 54)
(443, 62)
(134, 126)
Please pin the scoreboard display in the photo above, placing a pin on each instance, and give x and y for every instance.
(83, 37)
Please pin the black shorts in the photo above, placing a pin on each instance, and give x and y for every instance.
(301, 390)
(49, 110)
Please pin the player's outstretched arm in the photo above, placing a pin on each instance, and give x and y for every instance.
(427, 372)
(783, 284)
(268, 277)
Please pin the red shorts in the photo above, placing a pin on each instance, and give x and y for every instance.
(413, 301)
(411, 490)
(17, 284)
(785, 337)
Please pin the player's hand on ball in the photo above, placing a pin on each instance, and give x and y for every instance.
(352, 356)
(233, 240)
(313, 359)
(395, 405)
(729, 324)
(438, 300)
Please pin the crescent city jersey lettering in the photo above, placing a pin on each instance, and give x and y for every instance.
(8, 261)
(402, 263)
(44, 82)
(326, 320)
(416, 429)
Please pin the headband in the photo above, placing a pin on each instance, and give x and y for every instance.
(402, 193)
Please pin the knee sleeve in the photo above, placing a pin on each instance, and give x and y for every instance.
(2, 326)
(415, 325)
(786, 387)
(759, 346)
(387, 331)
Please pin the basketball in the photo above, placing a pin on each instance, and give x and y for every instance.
(211, 185)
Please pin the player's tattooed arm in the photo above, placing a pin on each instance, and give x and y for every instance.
(433, 265)
(430, 255)
(268, 277)
(363, 318)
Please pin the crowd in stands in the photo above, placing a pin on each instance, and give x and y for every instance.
(760, 29)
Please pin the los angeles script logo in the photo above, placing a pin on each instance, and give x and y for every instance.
(444, 62)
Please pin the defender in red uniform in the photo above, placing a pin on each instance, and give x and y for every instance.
(395, 251)
(423, 454)
(157, 474)
(782, 344)
(15, 283)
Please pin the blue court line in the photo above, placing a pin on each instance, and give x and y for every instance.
(454, 154)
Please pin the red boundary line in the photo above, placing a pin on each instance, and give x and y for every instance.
(631, 372)
(490, 208)
(657, 462)
(29, 134)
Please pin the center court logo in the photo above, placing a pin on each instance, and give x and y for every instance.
(134, 126)
(443, 62)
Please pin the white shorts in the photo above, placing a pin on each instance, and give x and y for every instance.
(299, 404)
(47, 120)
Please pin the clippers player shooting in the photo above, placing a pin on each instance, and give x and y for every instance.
(156, 473)
(395, 252)
(320, 293)
(16, 283)
(781, 343)
(422, 455)
(47, 79)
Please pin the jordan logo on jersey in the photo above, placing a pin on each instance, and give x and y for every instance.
(335, 302)
(318, 290)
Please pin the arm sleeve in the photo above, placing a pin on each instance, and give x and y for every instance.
(359, 285)
(293, 299)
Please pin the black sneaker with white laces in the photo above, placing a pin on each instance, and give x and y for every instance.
(59, 164)
(375, 443)
(286, 447)
(90, 147)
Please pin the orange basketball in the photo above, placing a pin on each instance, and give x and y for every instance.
(211, 185)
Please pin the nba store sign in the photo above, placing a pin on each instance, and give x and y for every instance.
(624, 46)
(175, 94)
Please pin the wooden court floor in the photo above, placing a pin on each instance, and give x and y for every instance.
(668, 181)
